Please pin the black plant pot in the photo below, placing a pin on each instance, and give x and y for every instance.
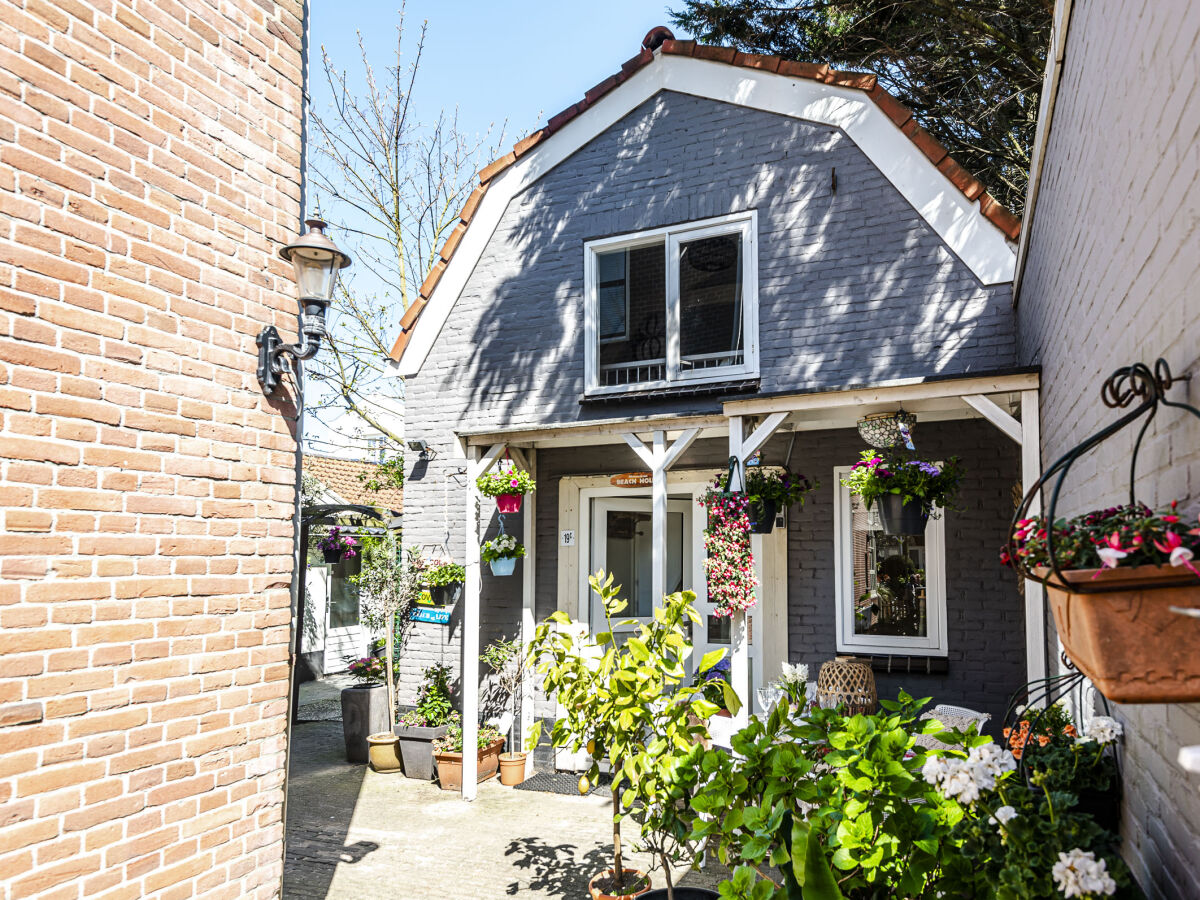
(333, 557)
(681, 893)
(762, 517)
(898, 517)
(446, 594)
(416, 749)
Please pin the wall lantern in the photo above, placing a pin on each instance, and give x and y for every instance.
(318, 261)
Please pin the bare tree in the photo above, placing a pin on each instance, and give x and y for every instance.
(394, 186)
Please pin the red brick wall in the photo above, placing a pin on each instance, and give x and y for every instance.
(149, 170)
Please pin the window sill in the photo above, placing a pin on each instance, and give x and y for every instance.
(734, 386)
(906, 664)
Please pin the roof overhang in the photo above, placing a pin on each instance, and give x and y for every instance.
(948, 199)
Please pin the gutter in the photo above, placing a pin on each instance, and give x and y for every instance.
(1054, 67)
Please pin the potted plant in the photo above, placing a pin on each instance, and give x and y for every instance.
(614, 695)
(507, 661)
(388, 587)
(444, 578)
(501, 553)
(448, 753)
(364, 706)
(908, 490)
(418, 728)
(1115, 579)
(337, 546)
(507, 487)
(729, 558)
(771, 490)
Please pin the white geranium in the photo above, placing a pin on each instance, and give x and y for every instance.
(1102, 730)
(965, 779)
(794, 674)
(1079, 874)
(1003, 816)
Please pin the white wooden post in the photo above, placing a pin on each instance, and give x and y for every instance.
(1035, 593)
(528, 461)
(476, 466)
(739, 649)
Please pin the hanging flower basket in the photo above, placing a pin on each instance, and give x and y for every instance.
(336, 546)
(508, 487)
(729, 563)
(899, 518)
(769, 489)
(1122, 582)
(762, 517)
(502, 553)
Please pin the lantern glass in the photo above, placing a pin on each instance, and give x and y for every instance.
(316, 272)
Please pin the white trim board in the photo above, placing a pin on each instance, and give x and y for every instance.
(982, 246)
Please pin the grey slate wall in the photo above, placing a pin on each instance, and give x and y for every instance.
(854, 288)
(1111, 279)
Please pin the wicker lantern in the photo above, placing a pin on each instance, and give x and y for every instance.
(850, 681)
(883, 430)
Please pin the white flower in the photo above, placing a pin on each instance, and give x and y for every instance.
(965, 779)
(1111, 556)
(794, 674)
(934, 769)
(1180, 556)
(1102, 729)
(1079, 874)
(1003, 816)
(990, 762)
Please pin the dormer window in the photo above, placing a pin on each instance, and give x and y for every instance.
(672, 306)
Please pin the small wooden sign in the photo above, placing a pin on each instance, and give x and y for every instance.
(632, 480)
(437, 616)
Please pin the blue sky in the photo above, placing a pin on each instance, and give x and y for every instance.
(520, 60)
(514, 61)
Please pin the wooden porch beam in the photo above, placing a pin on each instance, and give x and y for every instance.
(987, 408)
(1035, 592)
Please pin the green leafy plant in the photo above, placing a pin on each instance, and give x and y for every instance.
(389, 585)
(443, 573)
(502, 546)
(387, 474)
(765, 484)
(626, 702)
(452, 740)
(896, 471)
(507, 660)
(493, 484)
(435, 703)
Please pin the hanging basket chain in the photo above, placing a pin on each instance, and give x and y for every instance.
(1120, 390)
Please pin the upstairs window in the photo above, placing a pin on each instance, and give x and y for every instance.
(672, 306)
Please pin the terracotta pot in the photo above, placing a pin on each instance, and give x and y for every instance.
(762, 517)
(1128, 641)
(512, 768)
(385, 752)
(364, 712)
(449, 765)
(416, 749)
(508, 503)
(630, 875)
(898, 517)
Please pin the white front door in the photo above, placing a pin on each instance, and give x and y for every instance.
(622, 544)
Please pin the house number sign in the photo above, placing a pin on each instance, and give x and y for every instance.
(632, 480)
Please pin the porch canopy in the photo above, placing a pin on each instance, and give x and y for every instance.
(1008, 399)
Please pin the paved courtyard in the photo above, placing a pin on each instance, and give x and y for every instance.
(353, 833)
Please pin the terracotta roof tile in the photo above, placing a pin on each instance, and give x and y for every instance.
(970, 186)
(341, 476)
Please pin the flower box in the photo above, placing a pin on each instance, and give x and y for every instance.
(1127, 640)
(450, 765)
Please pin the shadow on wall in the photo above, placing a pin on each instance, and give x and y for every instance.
(854, 287)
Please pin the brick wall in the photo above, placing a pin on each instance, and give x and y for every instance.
(149, 170)
(1110, 280)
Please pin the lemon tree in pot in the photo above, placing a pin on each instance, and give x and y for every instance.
(906, 490)
(612, 694)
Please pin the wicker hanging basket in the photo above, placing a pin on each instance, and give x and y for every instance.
(848, 681)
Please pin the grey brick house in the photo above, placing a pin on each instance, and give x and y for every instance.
(716, 254)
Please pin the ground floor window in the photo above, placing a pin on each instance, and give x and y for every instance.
(891, 589)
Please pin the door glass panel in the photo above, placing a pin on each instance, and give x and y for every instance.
(710, 302)
(343, 598)
(889, 578)
(629, 556)
(631, 317)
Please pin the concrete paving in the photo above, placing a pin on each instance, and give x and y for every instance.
(354, 834)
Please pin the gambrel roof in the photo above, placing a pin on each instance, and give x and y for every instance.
(952, 201)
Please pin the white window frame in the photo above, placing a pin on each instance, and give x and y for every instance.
(744, 223)
(933, 644)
